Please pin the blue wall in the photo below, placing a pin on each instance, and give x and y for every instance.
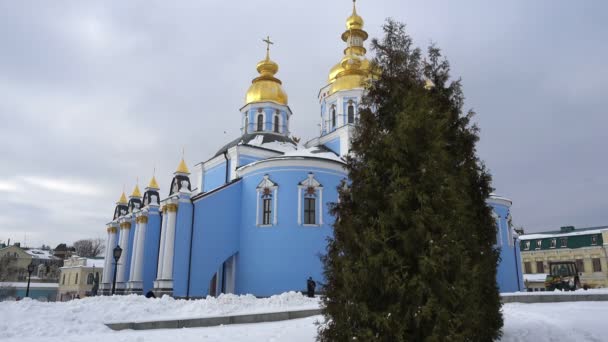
(333, 145)
(216, 229)
(181, 257)
(151, 245)
(245, 159)
(214, 177)
(280, 258)
(509, 272)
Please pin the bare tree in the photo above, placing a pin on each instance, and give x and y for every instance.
(89, 248)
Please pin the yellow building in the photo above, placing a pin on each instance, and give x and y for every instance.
(14, 261)
(78, 276)
(587, 247)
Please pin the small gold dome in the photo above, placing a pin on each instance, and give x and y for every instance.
(136, 192)
(354, 22)
(123, 199)
(153, 184)
(182, 167)
(266, 87)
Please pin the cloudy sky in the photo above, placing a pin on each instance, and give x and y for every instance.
(95, 94)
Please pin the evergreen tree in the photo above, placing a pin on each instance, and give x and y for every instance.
(413, 256)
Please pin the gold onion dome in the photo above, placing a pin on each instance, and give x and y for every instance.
(136, 192)
(354, 22)
(123, 199)
(266, 87)
(182, 167)
(153, 183)
(354, 70)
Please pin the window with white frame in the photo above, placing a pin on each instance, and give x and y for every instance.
(260, 122)
(310, 202)
(527, 245)
(266, 207)
(351, 112)
(333, 116)
(553, 243)
(276, 123)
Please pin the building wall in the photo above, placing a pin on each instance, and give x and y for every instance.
(281, 257)
(215, 238)
(214, 177)
(73, 281)
(509, 275)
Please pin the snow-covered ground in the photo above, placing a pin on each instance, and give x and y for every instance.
(82, 320)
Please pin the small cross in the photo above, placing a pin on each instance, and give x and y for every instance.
(268, 43)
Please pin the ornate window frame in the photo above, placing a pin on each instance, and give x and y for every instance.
(310, 187)
(266, 189)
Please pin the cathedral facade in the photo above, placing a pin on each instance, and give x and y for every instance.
(254, 217)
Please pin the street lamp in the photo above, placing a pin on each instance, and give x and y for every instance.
(30, 269)
(117, 252)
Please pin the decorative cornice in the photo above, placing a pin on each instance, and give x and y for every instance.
(142, 219)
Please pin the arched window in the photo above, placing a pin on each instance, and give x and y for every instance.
(246, 124)
(266, 202)
(276, 124)
(76, 281)
(310, 199)
(63, 280)
(90, 279)
(260, 122)
(309, 208)
(333, 116)
(351, 113)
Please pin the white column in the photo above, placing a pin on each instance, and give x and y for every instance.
(276, 199)
(139, 251)
(161, 249)
(169, 242)
(299, 206)
(134, 253)
(107, 266)
(320, 206)
(124, 244)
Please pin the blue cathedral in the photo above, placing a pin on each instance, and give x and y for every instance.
(254, 217)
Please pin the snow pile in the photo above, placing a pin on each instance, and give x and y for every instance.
(578, 292)
(29, 318)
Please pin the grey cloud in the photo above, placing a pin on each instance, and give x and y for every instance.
(101, 92)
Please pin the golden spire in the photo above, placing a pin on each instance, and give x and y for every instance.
(354, 21)
(266, 87)
(153, 183)
(123, 198)
(354, 69)
(182, 167)
(136, 192)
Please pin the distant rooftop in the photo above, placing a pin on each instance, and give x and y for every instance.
(565, 231)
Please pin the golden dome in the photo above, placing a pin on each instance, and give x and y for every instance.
(153, 184)
(136, 192)
(123, 199)
(354, 22)
(266, 87)
(354, 69)
(182, 167)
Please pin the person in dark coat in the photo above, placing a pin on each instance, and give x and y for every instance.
(310, 287)
(150, 294)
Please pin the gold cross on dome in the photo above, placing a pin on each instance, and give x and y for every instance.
(268, 43)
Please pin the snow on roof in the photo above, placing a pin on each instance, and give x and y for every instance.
(95, 262)
(550, 235)
(535, 277)
(40, 254)
(314, 152)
